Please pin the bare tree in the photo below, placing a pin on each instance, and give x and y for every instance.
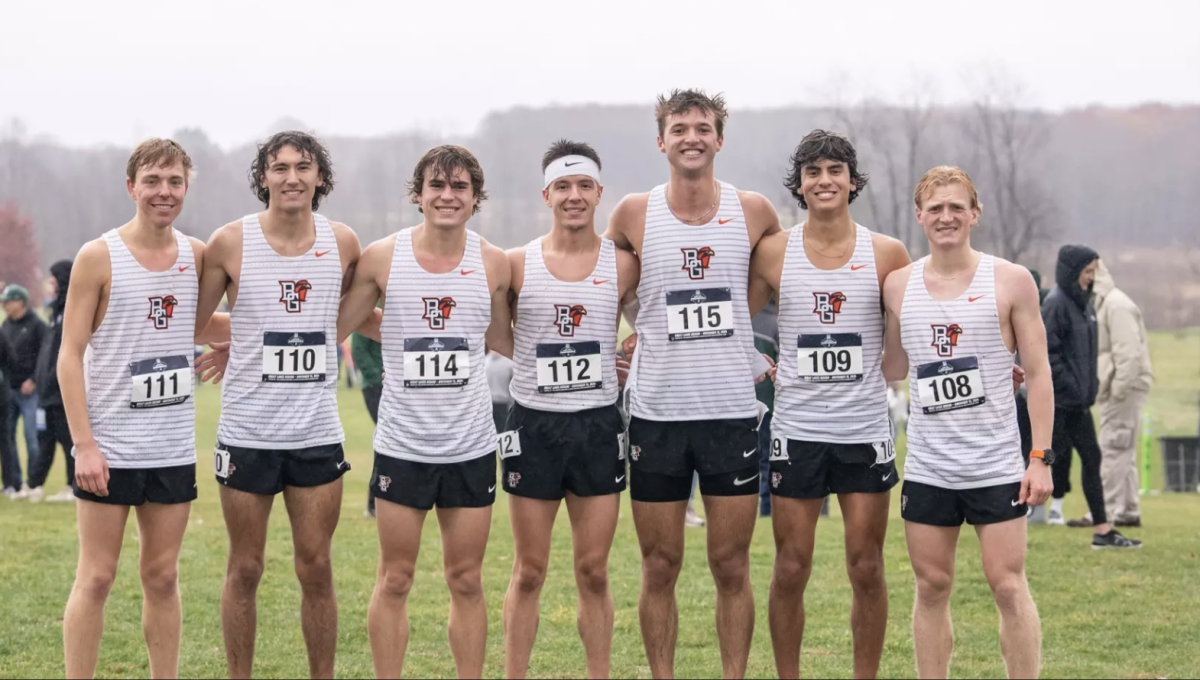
(1006, 145)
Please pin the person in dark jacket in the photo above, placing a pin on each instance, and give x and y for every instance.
(10, 466)
(26, 332)
(1070, 322)
(56, 430)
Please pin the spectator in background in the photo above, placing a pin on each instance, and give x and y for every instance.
(26, 332)
(367, 356)
(1070, 323)
(1125, 379)
(766, 341)
(10, 466)
(54, 430)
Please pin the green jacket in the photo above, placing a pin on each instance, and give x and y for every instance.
(368, 359)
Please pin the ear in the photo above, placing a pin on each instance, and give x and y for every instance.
(661, 146)
(599, 193)
(546, 197)
(129, 188)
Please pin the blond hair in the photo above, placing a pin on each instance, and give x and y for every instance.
(941, 176)
(156, 153)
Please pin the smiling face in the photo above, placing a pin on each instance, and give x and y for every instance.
(158, 191)
(447, 202)
(574, 200)
(291, 179)
(690, 140)
(826, 185)
(947, 215)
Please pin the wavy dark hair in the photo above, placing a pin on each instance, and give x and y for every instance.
(820, 145)
(445, 160)
(565, 147)
(679, 102)
(307, 145)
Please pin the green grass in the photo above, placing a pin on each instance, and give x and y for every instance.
(1104, 615)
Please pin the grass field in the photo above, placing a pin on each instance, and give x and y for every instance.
(1129, 615)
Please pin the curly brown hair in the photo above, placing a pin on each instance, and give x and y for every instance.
(445, 160)
(821, 145)
(681, 101)
(307, 145)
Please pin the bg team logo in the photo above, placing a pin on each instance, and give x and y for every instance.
(161, 311)
(945, 338)
(696, 260)
(293, 294)
(827, 306)
(437, 311)
(384, 483)
(567, 317)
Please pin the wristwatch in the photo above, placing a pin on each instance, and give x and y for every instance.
(1044, 455)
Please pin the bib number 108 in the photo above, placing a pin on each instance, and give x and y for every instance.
(950, 388)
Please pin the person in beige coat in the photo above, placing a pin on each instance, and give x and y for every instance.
(1125, 379)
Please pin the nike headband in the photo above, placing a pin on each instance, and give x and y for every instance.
(571, 165)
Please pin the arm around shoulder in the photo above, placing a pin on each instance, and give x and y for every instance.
(895, 359)
(499, 336)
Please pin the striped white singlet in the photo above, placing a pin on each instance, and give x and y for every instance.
(138, 366)
(565, 336)
(830, 385)
(957, 358)
(436, 406)
(694, 358)
(280, 390)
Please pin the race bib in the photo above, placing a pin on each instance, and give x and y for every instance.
(950, 385)
(779, 449)
(508, 444)
(162, 381)
(436, 362)
(829, 357)
(569, 367)
(699, 314)
(221, 463)
(293, 357)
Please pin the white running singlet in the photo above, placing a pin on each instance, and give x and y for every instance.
(565, 336)
(436, 406)
(138, 366)
(695, 352)
(962, 427)
(280, 390)
(830, 385)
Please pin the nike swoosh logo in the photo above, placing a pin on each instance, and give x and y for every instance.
(620, 479)
(599, 282)
(1016, 503)
(724, 221)
(184, 269)
(855, 268)
(465, 272)
(570, 164)
(976, 298)
(742, 482)
(323, 254)
(747, 454)
(887, 477)
(491, 488)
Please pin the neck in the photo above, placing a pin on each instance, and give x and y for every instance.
(440, 241)
(692, 195)
(563, 239)
(830, 228)
(145, 234)
(290, 223)
(950, 260)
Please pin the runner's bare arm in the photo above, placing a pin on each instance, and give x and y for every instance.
(766, 264)
(214, 278)
(358, 305)
(895, 359)
(499, 276)
(890, 255)
(217, 327)
(90, 274)
(629, 273)
(516, 267)
(1026, 317)
(623, 220)
(761, 218)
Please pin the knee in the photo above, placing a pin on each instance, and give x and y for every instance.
(865, 569)
(730, 570)
(592, 577)
(934, 588)
(160, 582)
(465, 583)
(660, 569)
(314, 571)
(792, 571)
(395, 582)
(528, 576)
(1010, 592)
(95, 584)
(244, 574)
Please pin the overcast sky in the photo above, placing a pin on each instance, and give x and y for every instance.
(115, 71)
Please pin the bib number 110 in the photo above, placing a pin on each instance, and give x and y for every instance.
(296, 359)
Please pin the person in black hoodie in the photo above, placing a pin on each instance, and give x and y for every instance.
(50, 396)
(10, 465)
(1070, 322)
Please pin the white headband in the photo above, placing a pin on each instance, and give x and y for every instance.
(571, 165)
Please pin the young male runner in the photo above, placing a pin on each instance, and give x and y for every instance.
(830, 430)
(131, 311)
(445, 303)
(282, 271)
(955, 320)
(691, 387)
(565, 436)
